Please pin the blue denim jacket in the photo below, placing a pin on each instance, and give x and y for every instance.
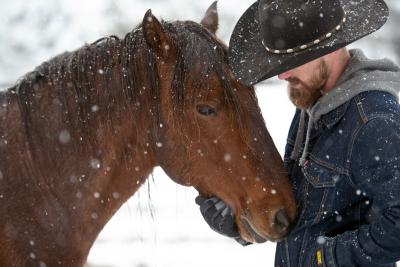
(348, 191)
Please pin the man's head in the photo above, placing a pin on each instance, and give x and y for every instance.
(308, 82)
(274, 36)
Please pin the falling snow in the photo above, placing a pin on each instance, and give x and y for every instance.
(95, 108)
(95, 163)
(321, 240)
(227, 157)
(64, 137)
(79, 195)
(276, 125)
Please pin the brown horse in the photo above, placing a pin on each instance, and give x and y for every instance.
(81, 133)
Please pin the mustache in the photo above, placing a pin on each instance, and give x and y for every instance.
(294, 81)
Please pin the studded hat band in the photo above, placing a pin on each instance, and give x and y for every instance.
(302, 47)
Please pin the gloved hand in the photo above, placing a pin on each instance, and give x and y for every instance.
(219, 217)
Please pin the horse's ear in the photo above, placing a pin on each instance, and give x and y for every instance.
(155, 35)
(210, 20)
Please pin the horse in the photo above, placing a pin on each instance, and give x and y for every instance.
(83, 131)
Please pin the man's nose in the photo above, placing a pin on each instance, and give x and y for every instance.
(284, 75)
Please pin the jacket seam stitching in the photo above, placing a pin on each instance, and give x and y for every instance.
(303, 244)
(287, 252)
(304, 197)
(327, 165)
(360, 108)
(320, 210)
(350, 151)
(354, 138)
(330, 248)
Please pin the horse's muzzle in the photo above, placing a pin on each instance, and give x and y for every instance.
(280, 228)
(281, 223)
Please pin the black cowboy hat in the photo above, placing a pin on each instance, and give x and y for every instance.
(274, 36)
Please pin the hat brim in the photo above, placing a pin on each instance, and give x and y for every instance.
(252, 63)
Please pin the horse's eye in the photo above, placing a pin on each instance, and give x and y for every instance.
(206, 110)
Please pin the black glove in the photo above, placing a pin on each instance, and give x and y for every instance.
(219, 217)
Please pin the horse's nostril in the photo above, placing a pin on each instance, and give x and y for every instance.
(282, 221)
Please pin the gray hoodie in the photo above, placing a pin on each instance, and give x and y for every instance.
(361, 75)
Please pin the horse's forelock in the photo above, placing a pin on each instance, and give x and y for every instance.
(197, 68)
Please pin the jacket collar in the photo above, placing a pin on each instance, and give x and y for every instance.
(330, 119)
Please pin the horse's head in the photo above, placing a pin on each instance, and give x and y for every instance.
(211, 134)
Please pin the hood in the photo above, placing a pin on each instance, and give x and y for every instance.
(361, 75)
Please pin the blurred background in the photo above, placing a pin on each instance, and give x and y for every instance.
(161, 225)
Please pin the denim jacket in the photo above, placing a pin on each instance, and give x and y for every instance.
(348, 190)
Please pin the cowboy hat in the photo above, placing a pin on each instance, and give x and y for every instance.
(274, 36)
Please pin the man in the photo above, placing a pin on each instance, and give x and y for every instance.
(343, 148)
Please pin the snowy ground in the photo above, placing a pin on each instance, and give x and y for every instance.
(166, 231)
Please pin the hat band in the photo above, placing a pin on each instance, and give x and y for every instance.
(305, 46)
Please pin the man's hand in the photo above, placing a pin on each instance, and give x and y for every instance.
(219, 217)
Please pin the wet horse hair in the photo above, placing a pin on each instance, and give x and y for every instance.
(82, 132)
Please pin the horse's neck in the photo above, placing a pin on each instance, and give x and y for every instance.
(79, 176)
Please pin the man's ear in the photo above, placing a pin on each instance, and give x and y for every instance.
(156, 37)
(210, 20)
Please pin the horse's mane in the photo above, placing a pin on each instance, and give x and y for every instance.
(119, 75)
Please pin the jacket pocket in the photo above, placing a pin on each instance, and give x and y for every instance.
(320, 176)
(320, 193)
